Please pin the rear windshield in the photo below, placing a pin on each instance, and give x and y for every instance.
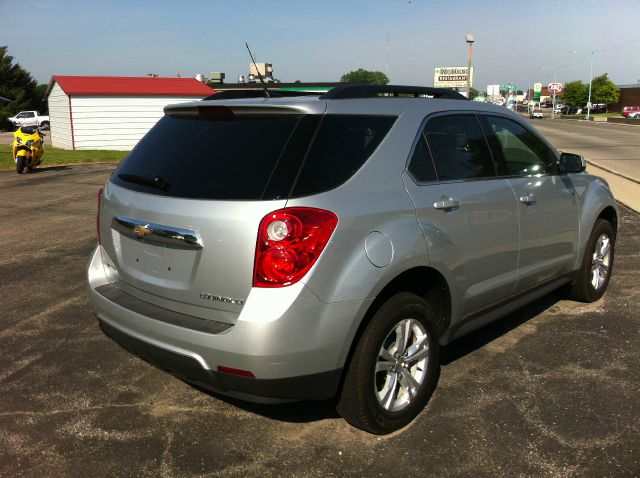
(250, 158)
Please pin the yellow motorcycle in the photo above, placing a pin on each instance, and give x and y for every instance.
(28, 148)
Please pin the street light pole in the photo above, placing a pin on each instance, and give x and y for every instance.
(469, 40)
(590, 81)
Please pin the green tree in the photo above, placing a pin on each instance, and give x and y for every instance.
(19, 86)
(603, 90)
(365, 76)
(473, 93)
(575, 94)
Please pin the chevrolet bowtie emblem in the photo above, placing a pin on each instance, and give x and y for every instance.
(142, 230)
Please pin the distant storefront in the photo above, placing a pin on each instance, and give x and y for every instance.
(629, 96)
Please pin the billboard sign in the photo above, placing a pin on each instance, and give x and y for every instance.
(451, 77)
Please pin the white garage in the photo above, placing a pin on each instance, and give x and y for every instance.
(103, 112)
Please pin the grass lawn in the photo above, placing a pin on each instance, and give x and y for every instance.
(605, 115)
(63, 156)
(596, 115)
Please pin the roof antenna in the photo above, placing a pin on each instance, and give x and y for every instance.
(264, 86)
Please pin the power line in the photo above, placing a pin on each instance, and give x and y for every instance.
(617, 46)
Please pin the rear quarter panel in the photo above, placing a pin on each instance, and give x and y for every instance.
(373, 200)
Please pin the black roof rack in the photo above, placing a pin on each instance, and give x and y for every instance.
(353, 91)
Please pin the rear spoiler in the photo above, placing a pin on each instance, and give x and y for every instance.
(231, 111)
(253, 93)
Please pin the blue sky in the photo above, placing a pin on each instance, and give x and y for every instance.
(320, 41)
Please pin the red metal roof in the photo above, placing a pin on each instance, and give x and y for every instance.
(126, 85)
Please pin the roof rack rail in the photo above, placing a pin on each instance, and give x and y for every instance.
(353, 91)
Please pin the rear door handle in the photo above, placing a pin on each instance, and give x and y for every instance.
(528, 199)
(446, 203)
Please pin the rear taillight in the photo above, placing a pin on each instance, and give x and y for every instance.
(98, 213)
(289, 243)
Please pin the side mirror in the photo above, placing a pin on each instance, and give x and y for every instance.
(572, 163)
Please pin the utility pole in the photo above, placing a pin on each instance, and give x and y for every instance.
(555, 80)
(387, 54)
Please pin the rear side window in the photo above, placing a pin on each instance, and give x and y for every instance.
(421, 165)
(342, 145)
(458, 148)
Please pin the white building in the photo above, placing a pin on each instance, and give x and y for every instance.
(102, 112)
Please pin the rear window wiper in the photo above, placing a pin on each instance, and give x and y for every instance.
(156, 182)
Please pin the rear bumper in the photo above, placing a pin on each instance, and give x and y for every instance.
(314, 387)
(294, 344)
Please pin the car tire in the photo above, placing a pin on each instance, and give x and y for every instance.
(593, 276)
(45, 125)
(394, 368)
(20, 163)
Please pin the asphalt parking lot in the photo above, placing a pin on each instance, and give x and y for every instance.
(551, 390)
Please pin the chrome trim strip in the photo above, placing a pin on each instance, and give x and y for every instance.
(157, 234)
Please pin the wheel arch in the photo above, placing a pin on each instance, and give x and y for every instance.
(596, 202)
(610, 215)
(423, 281)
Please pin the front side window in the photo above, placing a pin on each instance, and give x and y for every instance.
(458, 148)
(523, 153)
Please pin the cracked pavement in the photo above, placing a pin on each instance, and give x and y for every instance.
(549, 391)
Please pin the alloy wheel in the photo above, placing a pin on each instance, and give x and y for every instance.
(601, 262)
(402, 364)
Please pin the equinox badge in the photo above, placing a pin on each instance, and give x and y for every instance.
(217, 298)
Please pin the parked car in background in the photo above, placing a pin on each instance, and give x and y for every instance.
(596, 108)
(30, 118)
(631, 112)
(567, 109)
(559, 108)
(536, 114)
(333, 243)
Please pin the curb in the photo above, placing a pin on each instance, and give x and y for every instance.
(628, 178)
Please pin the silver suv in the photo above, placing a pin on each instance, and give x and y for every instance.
(314, 247)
